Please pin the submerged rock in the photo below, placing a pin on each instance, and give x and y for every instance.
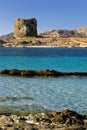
(41, 73)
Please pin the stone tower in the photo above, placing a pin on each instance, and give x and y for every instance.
(25, 27)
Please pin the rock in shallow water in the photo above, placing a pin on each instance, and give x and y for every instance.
(41, 73)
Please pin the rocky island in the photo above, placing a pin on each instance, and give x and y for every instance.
(26, 35)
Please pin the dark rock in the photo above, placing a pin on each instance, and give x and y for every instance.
(76, 128)
(25, 27)
(56, 117)
(34, 128)
(28, 73)
(72, 117)
(68, 117)
(14, 72)
(48, 73)
(43, 73)
(24, 42)
(4, 72)
(1, 41)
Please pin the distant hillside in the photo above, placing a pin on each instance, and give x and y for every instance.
(80, 32)
(6, 36)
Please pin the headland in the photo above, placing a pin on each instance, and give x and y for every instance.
(25, 34)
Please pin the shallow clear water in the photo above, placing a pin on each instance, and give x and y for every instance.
(48, 93)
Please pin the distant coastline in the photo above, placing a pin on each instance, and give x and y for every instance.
(26, 35)
(44, 42)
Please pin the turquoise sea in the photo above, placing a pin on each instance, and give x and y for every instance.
(44, 93)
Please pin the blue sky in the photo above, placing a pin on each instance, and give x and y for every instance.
(50, 14)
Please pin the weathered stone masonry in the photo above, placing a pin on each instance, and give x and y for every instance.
(25, 27)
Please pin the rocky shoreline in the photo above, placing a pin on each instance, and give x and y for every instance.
(64, 120)
(43, 42)
(40, 73)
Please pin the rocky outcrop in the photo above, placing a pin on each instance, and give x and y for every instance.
(67, 116)
(41, 73)
(65, 120)
(25, 27)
